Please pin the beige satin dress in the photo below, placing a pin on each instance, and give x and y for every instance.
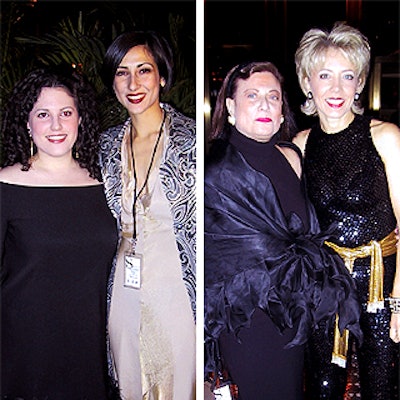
(152, 330)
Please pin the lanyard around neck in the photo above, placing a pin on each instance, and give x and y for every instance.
(136, 193)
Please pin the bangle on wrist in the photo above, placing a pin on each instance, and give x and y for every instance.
(394, 304)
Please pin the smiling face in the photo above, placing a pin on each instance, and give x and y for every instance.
(54, 122)
(137, 81)
(257, 106)
(333, 85)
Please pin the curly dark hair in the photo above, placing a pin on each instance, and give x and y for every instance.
(15, 136)
(220, 128)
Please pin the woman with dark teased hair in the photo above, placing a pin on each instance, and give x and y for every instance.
(268, 276)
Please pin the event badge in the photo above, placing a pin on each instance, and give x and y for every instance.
(133, 265)
(223, 393)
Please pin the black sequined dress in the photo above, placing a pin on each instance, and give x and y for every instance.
(346, 181)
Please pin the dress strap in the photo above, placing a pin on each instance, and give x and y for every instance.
(291, 146)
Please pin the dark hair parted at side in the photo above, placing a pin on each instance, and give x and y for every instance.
(220, 126)
(155, 43)
(16, 139)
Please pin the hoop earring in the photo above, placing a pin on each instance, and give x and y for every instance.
(309, 95)
(357, 96)
(231, 120)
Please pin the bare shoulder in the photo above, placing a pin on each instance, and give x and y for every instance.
(12, 174)
(386, 136)
(379, 127)
(300, 139)
(75, 176)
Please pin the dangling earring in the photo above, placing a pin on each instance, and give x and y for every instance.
(31, 141)
(231, 120)
(76, 153)
(357, 96)
(309, 95)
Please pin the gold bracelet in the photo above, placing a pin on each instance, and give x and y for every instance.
(394, 304)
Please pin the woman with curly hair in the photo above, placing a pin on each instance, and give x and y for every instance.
(57, 242)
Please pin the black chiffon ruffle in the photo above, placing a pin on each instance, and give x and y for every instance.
(255, 257)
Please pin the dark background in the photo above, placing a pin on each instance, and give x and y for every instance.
(34, 32)
(234, 31)
(77, 33)
(239, 31)
(41, 16)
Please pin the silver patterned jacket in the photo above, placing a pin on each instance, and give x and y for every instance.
(178, 177)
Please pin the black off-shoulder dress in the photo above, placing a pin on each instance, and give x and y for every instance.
(57, 246)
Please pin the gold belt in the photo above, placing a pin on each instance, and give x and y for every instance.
(376, 250)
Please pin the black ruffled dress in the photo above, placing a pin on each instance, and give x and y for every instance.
(260, 256)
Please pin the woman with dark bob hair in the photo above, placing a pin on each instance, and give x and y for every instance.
(58, 239)
(148, 165)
